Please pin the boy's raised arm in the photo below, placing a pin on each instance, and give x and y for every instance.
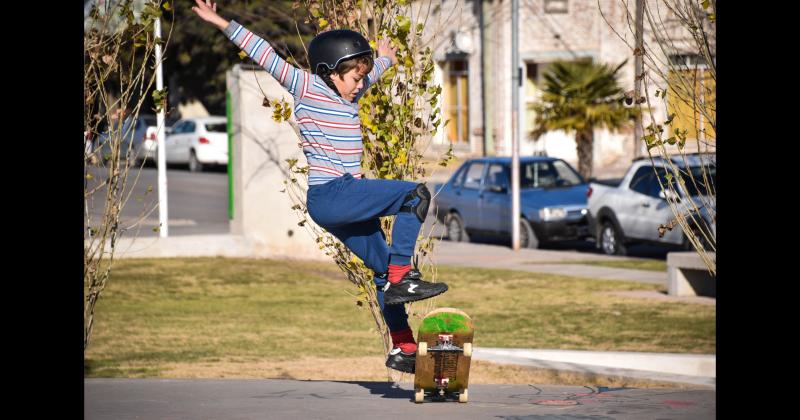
(291, 78)
(386, 58)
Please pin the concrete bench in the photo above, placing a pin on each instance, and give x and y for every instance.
(687, 275)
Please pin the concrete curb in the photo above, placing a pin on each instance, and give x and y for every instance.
(697, 369)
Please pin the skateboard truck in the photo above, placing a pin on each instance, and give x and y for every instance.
(441, 385)
(445, 344)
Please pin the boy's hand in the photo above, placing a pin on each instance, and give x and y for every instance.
(208, 12)
(385, 49)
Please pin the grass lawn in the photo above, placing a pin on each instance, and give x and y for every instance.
(227, 317)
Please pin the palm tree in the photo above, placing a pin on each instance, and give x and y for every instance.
(581, 96)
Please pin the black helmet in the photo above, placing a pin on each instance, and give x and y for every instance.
(332, 47)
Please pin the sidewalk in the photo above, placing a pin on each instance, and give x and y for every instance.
(535, 260)
(695, 369)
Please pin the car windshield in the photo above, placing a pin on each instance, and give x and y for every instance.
(548, 174)
(696, 184)
(217, 127)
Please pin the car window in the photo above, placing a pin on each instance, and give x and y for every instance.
(473, 176)
(458, 179)
(497, 177)
(150, 120)
(567, 176)
(178, 127)
(537, 175)
(217, 127)
(655, 187)
(699, 185)
(189, 127)
(640, 180)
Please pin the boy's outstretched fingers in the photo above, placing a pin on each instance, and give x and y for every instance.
(204, 6)
(207, 11)
(386, 49)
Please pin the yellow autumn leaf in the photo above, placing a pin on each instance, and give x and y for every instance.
(322, 23)
(242, 55)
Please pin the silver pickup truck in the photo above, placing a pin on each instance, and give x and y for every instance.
(631, 210)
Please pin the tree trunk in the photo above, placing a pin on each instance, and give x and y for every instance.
(585, 145)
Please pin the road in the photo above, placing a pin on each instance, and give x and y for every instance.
(197, 202)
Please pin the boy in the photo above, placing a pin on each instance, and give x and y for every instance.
(338, 199)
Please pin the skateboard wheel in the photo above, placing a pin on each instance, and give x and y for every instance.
(419, 395)
(467, 349)
(422, 349)
(463, 395)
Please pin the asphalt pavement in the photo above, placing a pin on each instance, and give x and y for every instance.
(121, 399)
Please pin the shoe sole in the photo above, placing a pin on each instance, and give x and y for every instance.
(395, 367)
(413, 298)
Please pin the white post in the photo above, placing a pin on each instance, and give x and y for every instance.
(638, 52)
(162, 158)
(515, 82)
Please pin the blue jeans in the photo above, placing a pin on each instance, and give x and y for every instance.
(350, 208)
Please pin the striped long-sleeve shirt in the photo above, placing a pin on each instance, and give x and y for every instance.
(329, 125)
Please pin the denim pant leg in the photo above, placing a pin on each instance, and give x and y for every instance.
(367, 241)
(404, 236)
(347, 200)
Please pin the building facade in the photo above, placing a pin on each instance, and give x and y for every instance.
(473, 63)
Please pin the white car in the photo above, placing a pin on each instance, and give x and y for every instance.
(632, 209)
(148, 148)
(198, 142)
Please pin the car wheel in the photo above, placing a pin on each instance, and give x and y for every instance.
(611, 240)
(455, 228)
(527, 237)
(194, 164)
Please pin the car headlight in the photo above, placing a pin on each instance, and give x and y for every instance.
(552, 213)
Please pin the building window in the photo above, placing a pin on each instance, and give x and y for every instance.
(456, 100)
(532, 95)
(555, 6)
(691, 96)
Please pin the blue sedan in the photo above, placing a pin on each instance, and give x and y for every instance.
(477, 201)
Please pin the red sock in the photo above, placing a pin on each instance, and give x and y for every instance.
(405, 340)
(396, 272)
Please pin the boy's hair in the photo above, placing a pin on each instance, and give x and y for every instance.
(364, 62)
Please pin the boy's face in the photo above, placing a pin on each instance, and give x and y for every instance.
(350, 83)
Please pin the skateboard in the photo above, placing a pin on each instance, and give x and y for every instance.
(444, 353)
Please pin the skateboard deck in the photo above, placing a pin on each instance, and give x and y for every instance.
(444, 355)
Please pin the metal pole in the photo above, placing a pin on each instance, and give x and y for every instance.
(486, 54)
(162, 158)
(515, 83)
(638, 130)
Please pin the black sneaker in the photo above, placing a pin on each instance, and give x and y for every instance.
(404, 362)
(411, 288)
